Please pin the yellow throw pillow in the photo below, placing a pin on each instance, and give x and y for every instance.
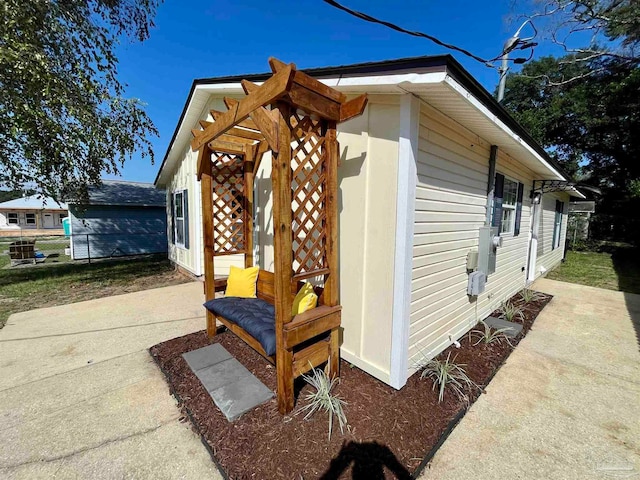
(305, 290)
(308, 302)
(242, 282)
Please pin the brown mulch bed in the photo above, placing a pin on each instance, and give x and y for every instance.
(390, 431)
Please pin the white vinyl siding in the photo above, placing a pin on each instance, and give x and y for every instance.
(453, 165)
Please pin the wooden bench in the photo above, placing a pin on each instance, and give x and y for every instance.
(310, 338)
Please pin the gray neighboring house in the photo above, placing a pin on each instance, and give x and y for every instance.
(122, 218)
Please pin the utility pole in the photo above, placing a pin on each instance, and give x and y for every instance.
(510, 45)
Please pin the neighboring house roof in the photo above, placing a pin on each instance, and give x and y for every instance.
(122, 193)
(439, 80)
(32, 203)
(588, 206)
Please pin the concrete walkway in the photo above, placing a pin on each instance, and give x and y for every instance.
(566, 405)
(80, 397)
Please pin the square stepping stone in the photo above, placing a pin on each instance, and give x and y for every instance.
(239, 397)
(206, 356)
(233, 388)
(220, 374)
(514, 328)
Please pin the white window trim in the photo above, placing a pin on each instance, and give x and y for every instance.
(26, 219)
(17, 218)
(513, 208)
(175, 217)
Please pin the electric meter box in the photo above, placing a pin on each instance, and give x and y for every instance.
(488, 244)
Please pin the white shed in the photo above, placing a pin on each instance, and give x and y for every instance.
(415, 173)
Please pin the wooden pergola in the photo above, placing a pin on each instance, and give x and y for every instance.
(294, 116)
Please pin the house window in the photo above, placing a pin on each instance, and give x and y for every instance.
(61, 216)
(12, 218)
(557, 224)
(509, 201)
(179, 224)
(31, 218)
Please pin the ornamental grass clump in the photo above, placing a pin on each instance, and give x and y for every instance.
(445, 374)
(510, 312)
(528, 295)
(323, 400)
(490, 335)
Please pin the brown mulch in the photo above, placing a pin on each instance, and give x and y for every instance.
(390, 431)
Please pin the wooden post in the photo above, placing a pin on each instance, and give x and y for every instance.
(206, 191)
(283, 256)
(248, 209)
(331, 292)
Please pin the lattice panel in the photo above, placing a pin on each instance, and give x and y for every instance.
(308, 184)
(228, 204)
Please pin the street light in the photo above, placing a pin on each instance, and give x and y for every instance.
(509, 46)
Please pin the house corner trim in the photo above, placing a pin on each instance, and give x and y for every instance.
(403, 255)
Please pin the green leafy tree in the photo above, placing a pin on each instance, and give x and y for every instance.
(586, 29)
(64, 117)
(591, 126)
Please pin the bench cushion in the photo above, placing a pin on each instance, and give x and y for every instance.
(254, 315)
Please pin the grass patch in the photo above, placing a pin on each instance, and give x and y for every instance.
(614, 268)
(24, 289)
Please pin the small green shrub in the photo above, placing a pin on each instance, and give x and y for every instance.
(445, 374)
(323, 400)
(489, 335)
(510, 312)
(529, 295)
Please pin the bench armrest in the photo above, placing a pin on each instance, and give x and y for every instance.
(311, 323)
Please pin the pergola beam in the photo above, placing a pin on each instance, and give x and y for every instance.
(237, 132)
(266, 121)
(269, 92)
(248, 123)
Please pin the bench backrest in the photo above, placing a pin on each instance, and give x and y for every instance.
(265, 288)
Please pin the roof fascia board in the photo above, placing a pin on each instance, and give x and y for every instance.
(357, 84)
(482, 108)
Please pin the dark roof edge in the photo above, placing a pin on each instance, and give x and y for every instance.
(453, 67)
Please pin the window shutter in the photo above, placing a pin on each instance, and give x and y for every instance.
(497, 201)
(173, 218)
(185, 199)
(516, 228)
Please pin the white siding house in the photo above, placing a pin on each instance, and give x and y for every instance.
(32, 216)
(413, 183)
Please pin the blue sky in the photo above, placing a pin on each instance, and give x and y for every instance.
(196, 39)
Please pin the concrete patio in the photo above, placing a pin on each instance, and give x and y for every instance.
(566, 404)
(80, 397)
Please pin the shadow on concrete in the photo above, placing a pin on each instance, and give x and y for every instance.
(626, 263)
(369, 460)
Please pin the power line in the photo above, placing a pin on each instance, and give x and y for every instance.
(369, 18)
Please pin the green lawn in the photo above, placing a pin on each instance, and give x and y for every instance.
(618, 268)
(26, 288)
